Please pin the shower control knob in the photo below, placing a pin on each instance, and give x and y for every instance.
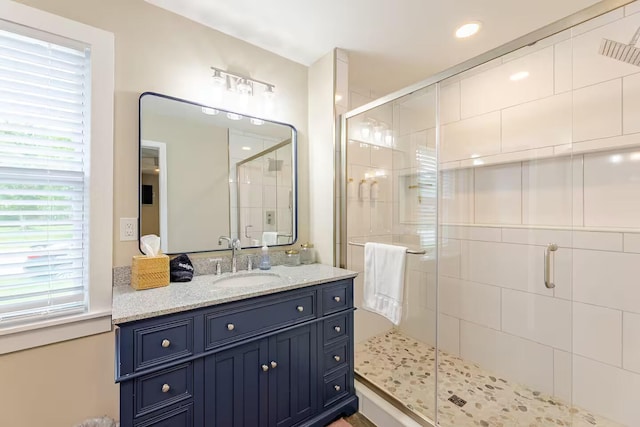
(337, 328)
(166, 343)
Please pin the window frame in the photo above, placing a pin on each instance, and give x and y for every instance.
(97, 318)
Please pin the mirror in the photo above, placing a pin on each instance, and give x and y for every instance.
(207, 172)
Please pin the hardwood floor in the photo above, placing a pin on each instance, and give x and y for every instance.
(359, 420)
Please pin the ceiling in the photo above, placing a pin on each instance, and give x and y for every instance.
(391, 43)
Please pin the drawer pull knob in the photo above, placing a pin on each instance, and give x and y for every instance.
(230, 326)
(336, 387)
(337, 328)
(166, 343)
(165, 388)
(300, 308)
(274, 365)
(336, 299)
(336, 358)
(265, 368)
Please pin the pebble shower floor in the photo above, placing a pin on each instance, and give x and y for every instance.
(404, 368)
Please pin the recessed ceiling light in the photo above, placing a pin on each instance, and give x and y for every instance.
(246, 148)
(467, 30)
(519, 76)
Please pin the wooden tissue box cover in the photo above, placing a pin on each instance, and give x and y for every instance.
(149, 272)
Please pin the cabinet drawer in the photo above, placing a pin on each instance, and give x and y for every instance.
(154, 345)
(163, 388)
(181, 417)
(336, 357)
(337, 297)
(335, 328)
(335, 387)
(249, 320)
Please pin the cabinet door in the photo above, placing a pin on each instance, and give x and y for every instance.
(293, 382)
(236, 386)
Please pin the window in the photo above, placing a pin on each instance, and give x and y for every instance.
(56, 164)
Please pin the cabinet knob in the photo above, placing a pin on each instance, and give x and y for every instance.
(300, 308)
(166, 343)
(274, 365)
(336, 387)
(336, 299)
(165, 388)
(265, 368)
(337, 328)
(336, 358)
(230, 326)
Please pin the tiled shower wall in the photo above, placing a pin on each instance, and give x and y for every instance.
(509, 189)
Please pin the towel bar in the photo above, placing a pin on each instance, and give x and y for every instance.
(409, 251)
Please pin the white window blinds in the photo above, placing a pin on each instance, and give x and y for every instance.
(44, 152)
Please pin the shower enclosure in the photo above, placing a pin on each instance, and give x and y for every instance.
(514, 181)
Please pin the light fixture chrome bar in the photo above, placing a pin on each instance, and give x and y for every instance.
(269, 86)
(409, 251)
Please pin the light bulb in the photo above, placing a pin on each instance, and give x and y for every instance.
(365, 131)
(234, 116)
(388, 138)
(218, 79)
(257, 122)
(269, 92)
(467, 30)
(243, 87)
(210, 111)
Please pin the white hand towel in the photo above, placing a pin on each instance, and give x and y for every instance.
(270, 238)
(384, 279)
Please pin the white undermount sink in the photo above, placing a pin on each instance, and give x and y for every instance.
(245, 279)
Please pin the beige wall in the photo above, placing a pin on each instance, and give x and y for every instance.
(150, 214)
(62, 384)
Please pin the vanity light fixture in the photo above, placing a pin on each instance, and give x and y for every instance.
(520, 75)
(468, 29)
(240, 84)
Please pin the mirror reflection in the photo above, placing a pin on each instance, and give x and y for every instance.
(206, 173)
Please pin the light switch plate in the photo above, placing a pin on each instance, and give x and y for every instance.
(128, 229)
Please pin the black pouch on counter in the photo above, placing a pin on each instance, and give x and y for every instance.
(181, 269)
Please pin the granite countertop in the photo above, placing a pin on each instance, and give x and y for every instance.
(208, 290)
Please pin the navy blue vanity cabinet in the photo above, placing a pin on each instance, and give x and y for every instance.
(279, 360)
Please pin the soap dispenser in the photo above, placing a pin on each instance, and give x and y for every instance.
(265, 261)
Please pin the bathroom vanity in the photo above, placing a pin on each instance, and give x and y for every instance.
(246, 349)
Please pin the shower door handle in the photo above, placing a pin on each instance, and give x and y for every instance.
(551, 247)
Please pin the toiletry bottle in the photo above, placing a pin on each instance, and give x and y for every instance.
(265, 262)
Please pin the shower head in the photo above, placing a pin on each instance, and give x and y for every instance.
(628, 53)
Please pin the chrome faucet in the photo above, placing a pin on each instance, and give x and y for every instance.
(234, 245)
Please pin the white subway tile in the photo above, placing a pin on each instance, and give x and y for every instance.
(515, 358)
(563, 61)
(518, 267)
(493, 89)
(450, 103)
(608, 279)
(611, 190)
(631, 341)
(449, 258)
(358, 153)
(631, 103)
(597, 333)
(382, 158)
(562, 375)
(589, 67)
(487, 234)
(619, 142)
(542, 319)
(518, 156)
(632, 243)
(547, 189)
(477, 136)
(449, 334)
(358, 218)
(597, 240)
(521, 129)
(456, 203)
(381, 217)
(578, 190)
(369, 324)
(449, 166)
(597, 111)
(632, 8)
(606, 390)
(536, 236)
(419, 324)
(498, 194)
(470, 301)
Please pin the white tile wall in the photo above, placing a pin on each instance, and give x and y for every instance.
(597, 111)
(631, 103)
(562, 372)
(632, 8)
(631, 342)
(545, 320)
(611, 190)
(450, 103)
(449, 334)
(470, 301)
(532, 236)
(547, 189)
(563, 68)
(632, 243)
(498, 194)
(516, 358)
(597, 240)
(521, 128)
(457, 202)
(597, 333)
(606, 390)
(477, 136)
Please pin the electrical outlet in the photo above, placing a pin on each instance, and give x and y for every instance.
(269, 217)
(128, 229)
